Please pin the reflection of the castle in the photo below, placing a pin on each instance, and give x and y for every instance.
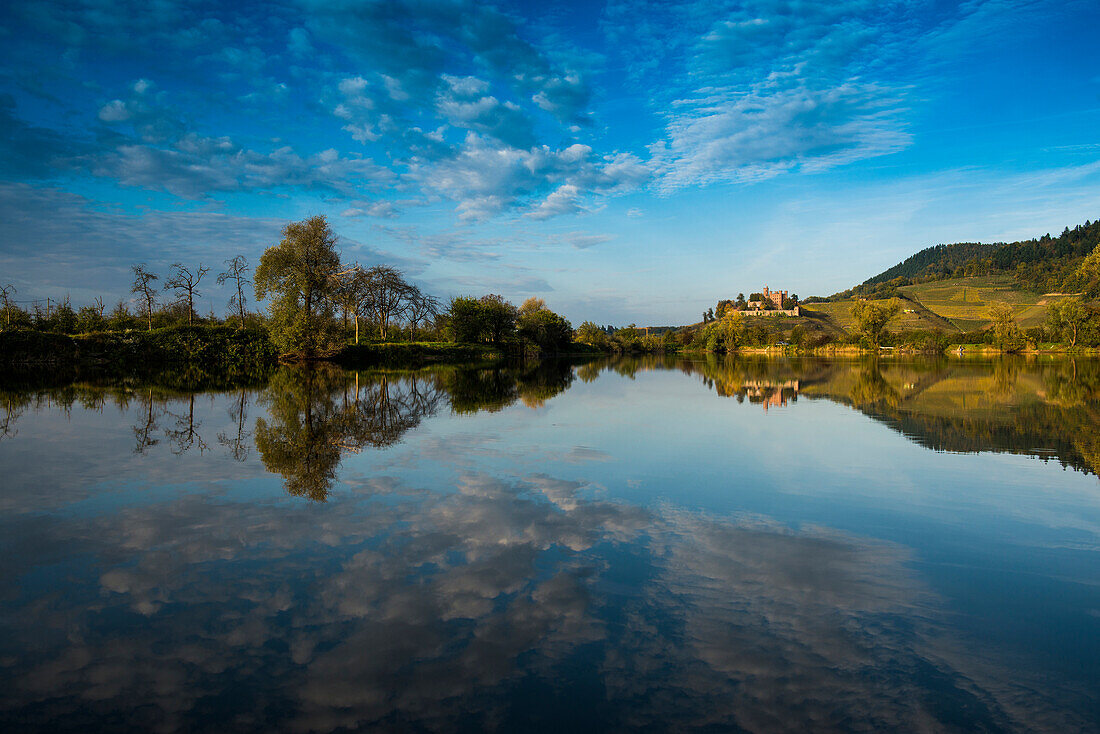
(769, 393)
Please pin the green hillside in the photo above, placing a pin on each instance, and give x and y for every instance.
(956, 305)
(965, 302)
(953, 288)
(839, 313)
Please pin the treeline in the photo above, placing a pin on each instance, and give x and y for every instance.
(938, 262)
(631, 339)
(1068, 263)
(318, 306)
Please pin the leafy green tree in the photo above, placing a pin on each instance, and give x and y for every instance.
(499, 318)
(300, 274)
(541, 326)
(1088, 272)
(90, 318)
(1067, 318)
(60, 319)
(591, 334)
(120, 318)
(871, 318)
(465, 320)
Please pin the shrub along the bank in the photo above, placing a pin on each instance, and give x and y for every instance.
(202, 346)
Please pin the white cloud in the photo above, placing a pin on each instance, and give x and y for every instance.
(486, 178)
(753, 136)
(562, 200)
(114, 111)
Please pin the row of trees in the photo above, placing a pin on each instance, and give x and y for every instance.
(183, 284)
(493, 320)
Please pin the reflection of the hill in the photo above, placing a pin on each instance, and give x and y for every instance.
(1048, 407)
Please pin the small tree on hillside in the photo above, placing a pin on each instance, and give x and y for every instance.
(1005, 330)
(1067, 318)
(143, 286)
(1088, 273)
(871, 318)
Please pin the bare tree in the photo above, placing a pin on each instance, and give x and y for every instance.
(345, 294)
(235, 271)
(98, 306)
(6, 292)
(142, 285)
(185, 284)
(422, 308)
(388, 296)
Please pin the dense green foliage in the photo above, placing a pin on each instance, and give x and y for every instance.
(532, 329)
(934, 263)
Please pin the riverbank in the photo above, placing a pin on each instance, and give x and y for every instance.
(220, 349)
(200, 346)
(974, 350)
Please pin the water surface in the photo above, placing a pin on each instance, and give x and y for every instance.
(723, 545)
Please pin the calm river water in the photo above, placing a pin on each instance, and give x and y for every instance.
(758, 545)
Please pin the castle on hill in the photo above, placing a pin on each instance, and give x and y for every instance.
(775, 298)
(770, 304)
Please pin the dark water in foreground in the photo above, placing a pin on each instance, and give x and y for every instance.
(643, 545)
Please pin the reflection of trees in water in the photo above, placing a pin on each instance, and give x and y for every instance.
(871, 388)
(1049, 409)
(317, 413)
(161, 414)
(471, 391)
(184, 434)
(13, 406)
(146, 430)
(237, 444)
(1046, 407)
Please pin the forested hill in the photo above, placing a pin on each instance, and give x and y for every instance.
(1045, 264)
(936, 262)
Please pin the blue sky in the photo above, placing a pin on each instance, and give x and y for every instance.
(624, 161)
